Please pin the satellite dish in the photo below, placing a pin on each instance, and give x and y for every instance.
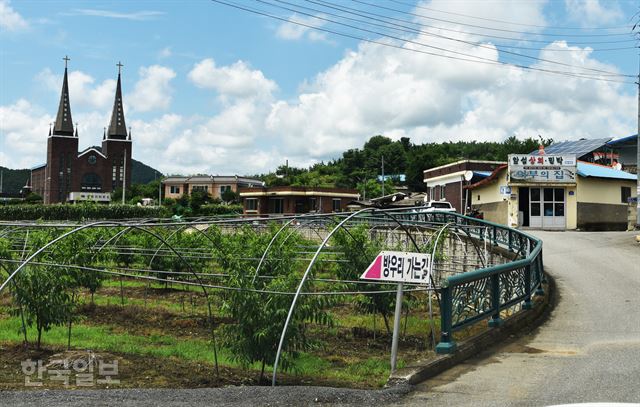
(425, 199)
(468, 175)
(618, 166)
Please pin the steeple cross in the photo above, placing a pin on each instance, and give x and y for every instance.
(66, 59)
(119, 65)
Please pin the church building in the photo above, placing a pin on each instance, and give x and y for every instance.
(92, 174)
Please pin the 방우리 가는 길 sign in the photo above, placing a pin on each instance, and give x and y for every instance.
(401, 267)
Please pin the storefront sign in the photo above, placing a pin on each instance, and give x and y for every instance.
(505, 190)
(542, 168)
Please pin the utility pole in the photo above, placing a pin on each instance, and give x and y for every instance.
(638, 154)
(382, 175)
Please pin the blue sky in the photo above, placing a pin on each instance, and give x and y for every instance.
(209, 88)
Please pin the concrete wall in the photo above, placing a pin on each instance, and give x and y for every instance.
(599, 204)
(495, 211)
(595, 216)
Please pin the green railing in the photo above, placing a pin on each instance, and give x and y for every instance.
(471, 297)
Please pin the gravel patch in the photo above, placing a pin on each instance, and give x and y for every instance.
(228, 396)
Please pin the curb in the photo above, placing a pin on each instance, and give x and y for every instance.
(522, 322)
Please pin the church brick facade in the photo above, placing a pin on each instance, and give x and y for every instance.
(96, 169)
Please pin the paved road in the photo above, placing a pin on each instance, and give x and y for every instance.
(589, 349)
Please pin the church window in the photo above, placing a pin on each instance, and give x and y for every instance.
(91, 182)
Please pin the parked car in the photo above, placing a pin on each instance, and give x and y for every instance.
(436, 206)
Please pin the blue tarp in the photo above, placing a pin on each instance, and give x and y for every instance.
(599, 171)
(481, 174)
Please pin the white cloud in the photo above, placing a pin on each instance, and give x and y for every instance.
(24, 130)
(463, 16)
(237, 80)
(593, 12)
(153, 90)
(165, 53)
(10, 19)
(135, 16)
(156, 133)
(83, 92)
(298, 28)
(379, 90)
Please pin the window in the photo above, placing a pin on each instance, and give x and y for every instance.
(175, 189)
(91, 182)
(312, 204)
(224, 188)
(276, 205)
(441, 205)
(443, 190)
(203, 188)
(336, 204)
(625, 194)
(251, 204)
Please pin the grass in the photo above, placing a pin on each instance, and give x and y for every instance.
(362, 373)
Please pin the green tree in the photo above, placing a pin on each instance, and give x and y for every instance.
(42, 290)
(359, 251)
(198, 198)
(259, 310)
(229, 196)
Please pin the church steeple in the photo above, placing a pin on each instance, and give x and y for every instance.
(64, 124)
(117, 126)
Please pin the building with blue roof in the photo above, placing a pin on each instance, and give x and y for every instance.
(604, 151)
(534, 194)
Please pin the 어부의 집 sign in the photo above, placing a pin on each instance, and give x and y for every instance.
(542, 168)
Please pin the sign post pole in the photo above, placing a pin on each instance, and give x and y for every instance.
(396, 328)
(400, 267)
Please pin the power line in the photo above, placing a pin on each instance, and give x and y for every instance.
(476, 58)
(505, 38)
(508, 22)
(367, 14)
(488, 28)
(422, 33)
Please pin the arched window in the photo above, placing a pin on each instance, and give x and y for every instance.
(91, 182)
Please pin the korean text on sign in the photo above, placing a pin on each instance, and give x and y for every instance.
(406, 267)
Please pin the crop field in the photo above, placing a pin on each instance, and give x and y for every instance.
(204, 303)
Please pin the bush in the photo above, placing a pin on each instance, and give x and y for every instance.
(79, 212)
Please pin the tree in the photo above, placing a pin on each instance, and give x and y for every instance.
(229, 196)
(372, 188)
(198, 198)
(259, 310)
(359, 251)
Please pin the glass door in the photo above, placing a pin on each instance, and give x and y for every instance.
(535, 215)
(547, 208)
(554, 208)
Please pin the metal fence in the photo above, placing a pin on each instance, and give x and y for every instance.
(468, 298)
